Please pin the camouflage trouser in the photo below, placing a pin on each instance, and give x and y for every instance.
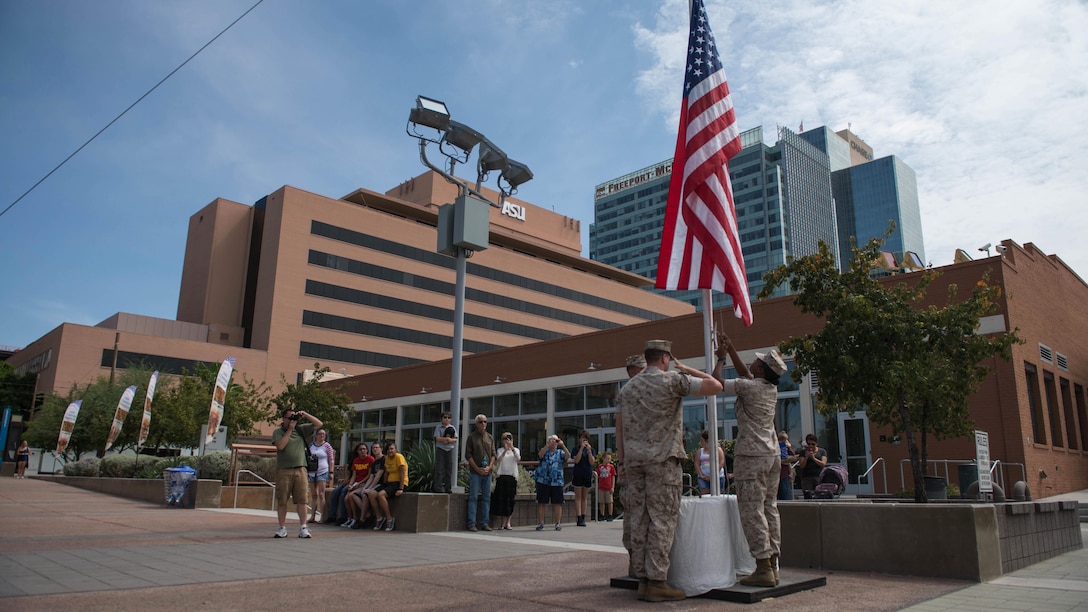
(652, 505)
(757, 489)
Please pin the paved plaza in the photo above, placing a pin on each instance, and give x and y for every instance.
(66, 548)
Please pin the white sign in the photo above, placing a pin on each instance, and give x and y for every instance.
(513, 210)
(982, 458)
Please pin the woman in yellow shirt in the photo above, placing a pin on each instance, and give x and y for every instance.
(396, 481)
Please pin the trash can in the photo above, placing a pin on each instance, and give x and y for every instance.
(936, 487)
(968, 473)
(176, 480)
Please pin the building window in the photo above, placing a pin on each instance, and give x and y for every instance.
(1053, 409)
(1070, 419)
(1082, 414)
(1035, 404)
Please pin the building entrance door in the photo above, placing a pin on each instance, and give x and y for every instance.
(856, 456)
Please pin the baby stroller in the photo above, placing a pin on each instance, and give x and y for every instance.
(833, 479)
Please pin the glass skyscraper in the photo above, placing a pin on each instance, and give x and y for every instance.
(782, 195)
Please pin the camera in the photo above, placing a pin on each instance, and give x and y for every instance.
(294, 417)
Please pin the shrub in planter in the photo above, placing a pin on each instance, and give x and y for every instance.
(117, 466)
(214, 465)
(421, 467)
(83, 467)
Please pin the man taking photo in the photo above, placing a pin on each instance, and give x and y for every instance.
(290, 440)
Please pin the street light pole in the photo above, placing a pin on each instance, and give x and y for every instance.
(463, 226)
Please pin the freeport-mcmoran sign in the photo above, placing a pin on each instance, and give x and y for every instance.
(635, 178)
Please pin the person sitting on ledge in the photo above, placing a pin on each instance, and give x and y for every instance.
(396, 481)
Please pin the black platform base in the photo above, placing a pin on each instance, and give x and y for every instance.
(788, 582)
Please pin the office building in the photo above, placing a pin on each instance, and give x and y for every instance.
(870, 192)
(781, 193)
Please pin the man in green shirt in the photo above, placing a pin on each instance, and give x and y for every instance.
(290, 440)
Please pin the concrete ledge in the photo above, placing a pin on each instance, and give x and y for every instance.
(940, 540)
(421, 512)
(200, 494)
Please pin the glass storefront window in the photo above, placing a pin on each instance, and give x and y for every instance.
(432, 413)
(371, 419)
(570, 399)
(567, 428)
(787, 418)
(480, 405)
(506, 405)
(601, 396)
(411, 415)
(534, 402)
(389, 417)
(531, 435)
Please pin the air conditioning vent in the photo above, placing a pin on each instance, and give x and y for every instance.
(1046, 354)
(1062, 361)
(814, 380)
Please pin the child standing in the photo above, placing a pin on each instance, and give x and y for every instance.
(606, 482)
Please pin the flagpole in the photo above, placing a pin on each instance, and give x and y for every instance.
(711, 401)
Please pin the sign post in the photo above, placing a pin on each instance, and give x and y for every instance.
(982, 459)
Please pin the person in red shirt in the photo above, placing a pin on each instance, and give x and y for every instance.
(606, 483)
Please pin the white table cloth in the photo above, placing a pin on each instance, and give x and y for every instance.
(710, 548)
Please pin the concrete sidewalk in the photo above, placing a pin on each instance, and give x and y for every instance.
(66, 547)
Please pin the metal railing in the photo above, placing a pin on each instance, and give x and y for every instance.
(883, 473)
(1001, 477)
(255, 475)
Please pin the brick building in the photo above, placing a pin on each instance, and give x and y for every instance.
(1032, 407)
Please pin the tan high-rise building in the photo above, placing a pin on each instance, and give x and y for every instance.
(355, 284)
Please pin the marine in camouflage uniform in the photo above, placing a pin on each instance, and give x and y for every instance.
(756, 465)
(651, 448)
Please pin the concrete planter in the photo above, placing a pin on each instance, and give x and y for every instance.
(200, 494)
(945, 540)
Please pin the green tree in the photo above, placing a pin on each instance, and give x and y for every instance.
(331, 406)
(180, 406)
(910, 367)
(16, 391)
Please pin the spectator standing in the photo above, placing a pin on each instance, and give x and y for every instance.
(703, 464)
(396, 481)
(445, 449)
(480, 452)
(582, 479)
(813, 459)
(549, 481)
(788, 457)
(606, 483)
(506, 486)
(326, 459)
(652, 452)
(291, 477)
(22, 458)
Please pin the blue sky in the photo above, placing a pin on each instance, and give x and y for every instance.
(986, 101)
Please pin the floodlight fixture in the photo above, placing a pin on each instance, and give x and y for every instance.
(462, 138)
(491, 157)
(430, 113)
(515, 174)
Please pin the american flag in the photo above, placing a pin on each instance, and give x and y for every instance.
(700, 246)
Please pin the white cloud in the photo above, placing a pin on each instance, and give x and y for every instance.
(984, 100)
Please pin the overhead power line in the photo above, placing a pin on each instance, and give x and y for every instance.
(131, 106)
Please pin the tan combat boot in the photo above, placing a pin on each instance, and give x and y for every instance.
(774, 566)
(659, 590)
(762, 577)
(642, 588)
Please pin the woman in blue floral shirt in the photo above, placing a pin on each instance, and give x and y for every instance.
(549, 481)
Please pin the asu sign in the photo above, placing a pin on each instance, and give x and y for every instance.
(513, 210)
